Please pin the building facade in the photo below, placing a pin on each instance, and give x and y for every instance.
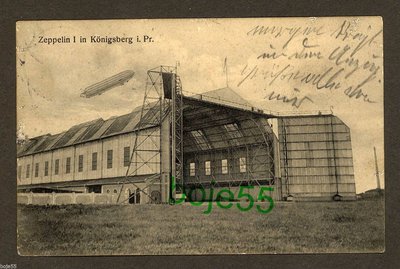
(226, 143)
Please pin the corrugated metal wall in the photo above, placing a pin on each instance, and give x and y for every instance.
(316, 157)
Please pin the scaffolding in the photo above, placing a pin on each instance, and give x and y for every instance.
(164, 97)
(248, 137)
(153, 111)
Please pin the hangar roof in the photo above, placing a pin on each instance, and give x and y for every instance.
(86, 132)
(99, 128)
(225, 97)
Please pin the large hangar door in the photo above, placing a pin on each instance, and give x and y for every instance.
(225, 147)
(316, 157)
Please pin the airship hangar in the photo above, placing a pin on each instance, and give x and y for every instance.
(179, 143)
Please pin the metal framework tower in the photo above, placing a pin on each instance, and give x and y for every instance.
(153, 111)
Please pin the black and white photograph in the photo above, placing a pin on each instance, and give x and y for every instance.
(200, 136)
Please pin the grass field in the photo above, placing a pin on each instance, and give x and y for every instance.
(316, 227)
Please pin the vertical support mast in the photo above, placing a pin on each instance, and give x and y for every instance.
(378, 182)
(285, 156)
(334, 156)
(177, 136)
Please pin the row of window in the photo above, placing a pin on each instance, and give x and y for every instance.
(224, 167)
(80, 164)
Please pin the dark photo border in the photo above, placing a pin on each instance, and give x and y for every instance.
(13, 11)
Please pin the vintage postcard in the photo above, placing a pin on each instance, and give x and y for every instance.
(200, 136)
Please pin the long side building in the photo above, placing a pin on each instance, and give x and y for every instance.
(89, 157)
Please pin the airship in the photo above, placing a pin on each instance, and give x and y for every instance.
(107, 84)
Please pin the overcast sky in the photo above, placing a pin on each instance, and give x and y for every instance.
(50, 77)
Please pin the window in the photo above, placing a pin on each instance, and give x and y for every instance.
(127, 157)
(200, 140)
(208, 168)
(109, 158)
(68, 166)
(224, 166)
(56, 166)
(192, 169)
(137, 196)
(242, 165)
(19, 171)
(94, 188)
(94, 161)
(80, 163)
(36, 169)
(233, 132)
(28, 169)
(46, 168)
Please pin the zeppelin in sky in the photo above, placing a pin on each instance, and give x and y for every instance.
(107, 84)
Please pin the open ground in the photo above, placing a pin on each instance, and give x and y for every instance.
(291, 227)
